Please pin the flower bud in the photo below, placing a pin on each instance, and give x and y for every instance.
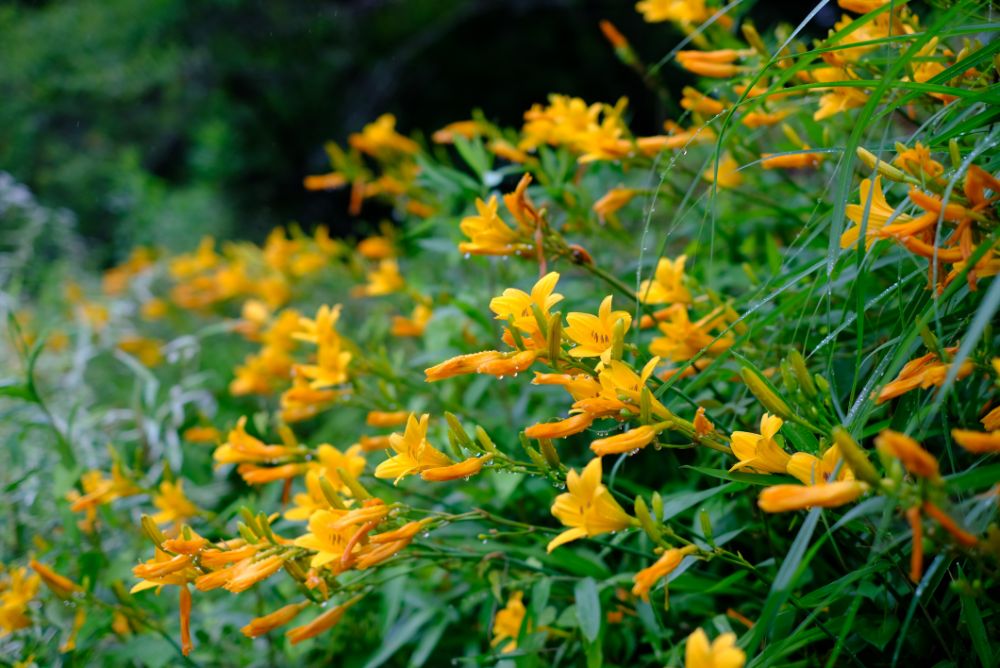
(765, 395)
(357, 489)
(647, 522)
(884, 168)
(855, 457)
(802, 373)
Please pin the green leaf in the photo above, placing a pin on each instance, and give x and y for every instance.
(588, 608)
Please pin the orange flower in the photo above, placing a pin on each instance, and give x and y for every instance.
(783, 498)
(561, 429)
(790, 160)
(760, 452)
(261, 625)
(664, 566)
(633, 439)
(464, 469)
(977, 442)
(702, 425)
(923, 372)
(386, 419)
(613, 200)
(915, 459)
(963, 537)
(324, 622)
(61, 586)
(717, 64)
(460, 365)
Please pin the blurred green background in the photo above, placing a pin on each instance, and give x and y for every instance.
(158, 121)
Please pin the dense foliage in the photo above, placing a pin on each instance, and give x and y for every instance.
(720, 395)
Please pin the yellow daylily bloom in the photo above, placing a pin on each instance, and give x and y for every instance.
(879, 213)
(667, 284)
(488, 233)
(414, 453)
(327, 538)
(173, 503)
(760, 452)
(507, 625)
(594, 334)
(721, 653)
(728, 173)
(683, 339)
(380, 137)
(588, 508)
(517, 305)
(812, 470)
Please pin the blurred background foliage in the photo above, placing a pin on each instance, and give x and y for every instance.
(159, 121)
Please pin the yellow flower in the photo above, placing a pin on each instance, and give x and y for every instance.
(414, 453)
(330, 368)
(861, 6)
(488, 233)
(647, 578)
(613, 200)
(561, 122)
(594, 334)
(507, 625)
(918, 161)
(413, 326)
(684, 12)
(173, 503)
(728, 176)
(783, 498)
(588, 508)
(840, 98)
(667, 284)
(811, 470)
(467, 129)
(17, 590)
(878, 214)
(760, 452)
(517, 305)
(328, 539)
(721, 653)
(380, 137)
(301, 402)
(383, 280)
(242, 447)
(683, 339)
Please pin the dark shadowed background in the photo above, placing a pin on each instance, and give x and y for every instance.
(157, 121)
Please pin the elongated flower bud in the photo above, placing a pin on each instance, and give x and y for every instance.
(855, 457)
(549, 452)
(802, 373)
(765, 395)
(884, 168)
(646, 521)
(357, 489)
